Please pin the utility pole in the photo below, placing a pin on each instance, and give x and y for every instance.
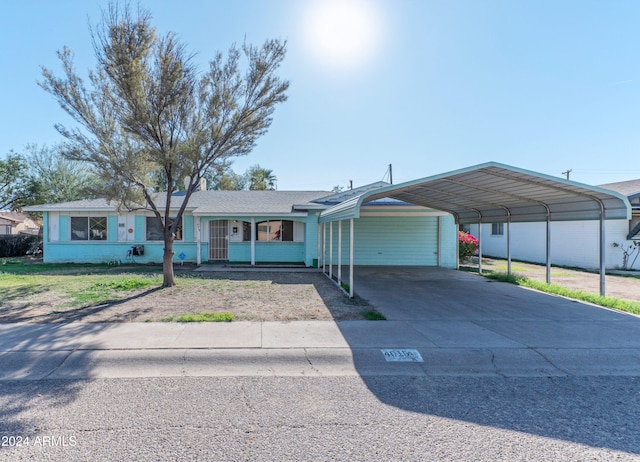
(567, 173)
(390, 174)
(350, 184)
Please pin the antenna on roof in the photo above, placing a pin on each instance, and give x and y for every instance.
(389, 174)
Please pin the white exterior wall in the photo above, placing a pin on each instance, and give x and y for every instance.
(573, 243)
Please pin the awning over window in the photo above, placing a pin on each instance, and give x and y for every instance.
(495, 193)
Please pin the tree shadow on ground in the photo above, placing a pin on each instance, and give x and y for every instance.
(30, 354)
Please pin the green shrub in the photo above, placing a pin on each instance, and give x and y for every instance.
(18, 245)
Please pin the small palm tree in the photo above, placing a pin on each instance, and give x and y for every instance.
(260, 179)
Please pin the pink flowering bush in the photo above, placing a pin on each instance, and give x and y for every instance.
(468, 245)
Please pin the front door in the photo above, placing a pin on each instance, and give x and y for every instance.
(219, 240)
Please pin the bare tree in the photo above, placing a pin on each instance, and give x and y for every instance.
(148, 109)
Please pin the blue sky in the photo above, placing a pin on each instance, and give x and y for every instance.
(428, 86)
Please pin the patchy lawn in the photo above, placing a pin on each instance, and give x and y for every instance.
(37, 292)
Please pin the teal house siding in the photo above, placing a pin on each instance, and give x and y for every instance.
(187, 228)
(267, 252)
(139, 228)
(105, 252)
(280, 252)
(388, 241)
(112, 228)
(239, 252)
(63, 226)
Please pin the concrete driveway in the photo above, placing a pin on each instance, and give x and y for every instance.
(466, 315)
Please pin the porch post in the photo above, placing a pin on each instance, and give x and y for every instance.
(351, 258)
(339, 252)
(253, 241)
(331, 250)
(198, 238)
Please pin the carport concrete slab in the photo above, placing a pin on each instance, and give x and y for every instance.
(382, 334)
(590, 362)
(462, 334)
(570, 334)
(432, 293)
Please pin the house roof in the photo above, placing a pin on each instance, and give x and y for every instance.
(494, 193)
(213, 203)
(254, 202)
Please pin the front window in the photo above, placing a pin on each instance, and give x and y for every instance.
(275, 231)
(88, 228)
(154, 229)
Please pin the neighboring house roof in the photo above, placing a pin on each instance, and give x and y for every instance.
(16, 217)
(630, 188)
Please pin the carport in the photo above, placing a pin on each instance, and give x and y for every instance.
(488, 193)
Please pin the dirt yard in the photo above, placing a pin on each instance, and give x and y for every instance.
(254, 296)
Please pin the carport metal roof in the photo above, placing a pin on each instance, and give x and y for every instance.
(496, 193)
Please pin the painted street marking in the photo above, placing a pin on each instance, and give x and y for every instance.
(402, 355)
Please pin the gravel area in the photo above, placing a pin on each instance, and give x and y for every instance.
(618, 284)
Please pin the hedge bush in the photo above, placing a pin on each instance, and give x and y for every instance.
(19, 245)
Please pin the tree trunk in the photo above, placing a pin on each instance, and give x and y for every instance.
(167, 263)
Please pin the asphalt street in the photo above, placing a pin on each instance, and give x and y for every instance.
(322, 418)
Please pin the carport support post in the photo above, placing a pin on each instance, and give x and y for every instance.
(253, 241)
(480, 247)
(509, 244)
(351, 258)
(602, 254)
(548, 248)
(339, 252)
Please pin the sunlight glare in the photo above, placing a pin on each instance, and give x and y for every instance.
(342, 34)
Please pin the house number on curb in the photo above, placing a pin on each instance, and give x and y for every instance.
(402, 355)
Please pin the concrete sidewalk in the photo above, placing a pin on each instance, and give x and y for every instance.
(315, 348)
